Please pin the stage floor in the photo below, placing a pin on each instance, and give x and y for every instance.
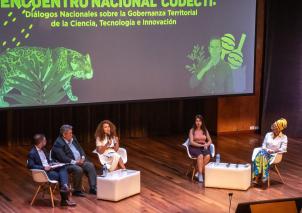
(164, 187)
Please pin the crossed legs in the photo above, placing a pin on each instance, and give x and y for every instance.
(202, 161)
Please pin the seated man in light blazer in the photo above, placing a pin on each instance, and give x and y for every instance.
(66, 149)
(38, 158)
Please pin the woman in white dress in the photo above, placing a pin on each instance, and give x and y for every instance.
(107, 144)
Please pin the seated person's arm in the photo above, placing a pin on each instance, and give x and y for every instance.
(101, 149)
(209, 139)
(265, 144)
(80, 149)
(192, 142)
(31, 163)
(283, 147)
(58, 151)
(101, 146)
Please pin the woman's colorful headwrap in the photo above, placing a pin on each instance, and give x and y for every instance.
(281, 124)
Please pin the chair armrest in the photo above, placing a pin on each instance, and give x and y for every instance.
(282, 152)
(277, 158)
(212, 150)
(37, 170)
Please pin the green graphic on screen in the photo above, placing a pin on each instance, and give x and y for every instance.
(138, 50)
(215, 71)
(41, 76)
(17, 39)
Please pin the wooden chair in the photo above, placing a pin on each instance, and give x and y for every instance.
(274, 167)
(40, 177)
(192, 166)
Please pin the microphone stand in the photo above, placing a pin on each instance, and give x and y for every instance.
(230, 199)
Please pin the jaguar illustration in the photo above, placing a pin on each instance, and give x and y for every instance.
(35, 75)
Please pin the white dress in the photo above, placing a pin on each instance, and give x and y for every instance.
(110, 156)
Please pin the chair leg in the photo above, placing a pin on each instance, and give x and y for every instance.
(193, 173)
(51, 197)
(34, 198)
(188, 170)
(194, 165)
(277, 170)
(54, 188)
(70, 190)
(193, 168)
(268, 181)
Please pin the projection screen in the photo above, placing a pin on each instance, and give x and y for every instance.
(90, 51)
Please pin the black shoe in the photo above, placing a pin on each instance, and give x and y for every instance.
(255, 183)
(64, 189)
(264, 185)
(68, 203)
(78, 194)
(64, 199)
(92, 191)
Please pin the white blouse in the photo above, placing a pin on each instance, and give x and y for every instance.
(105, 141)
(279, 142)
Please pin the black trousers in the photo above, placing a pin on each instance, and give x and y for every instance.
(78, 171)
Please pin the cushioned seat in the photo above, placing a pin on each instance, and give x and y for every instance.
(228, 176)
(118, 185)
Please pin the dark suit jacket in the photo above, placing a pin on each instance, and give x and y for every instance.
(61, 151)
(34, 161)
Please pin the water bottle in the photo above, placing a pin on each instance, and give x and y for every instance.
(105, 170)
(217, 159)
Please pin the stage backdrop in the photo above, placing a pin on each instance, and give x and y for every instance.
(143, 119)
(66, 51)
(283, 66)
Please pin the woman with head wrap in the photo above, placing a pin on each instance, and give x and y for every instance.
(273, 143)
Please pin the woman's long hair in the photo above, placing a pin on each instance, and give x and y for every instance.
(99, 132)
(203, 125)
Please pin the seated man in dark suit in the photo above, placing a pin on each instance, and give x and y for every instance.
(66, 149)
(38, 158)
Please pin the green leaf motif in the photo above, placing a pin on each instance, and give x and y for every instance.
(39, 81)
(198, 59)
(22, 99)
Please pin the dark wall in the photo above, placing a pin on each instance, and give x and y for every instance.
(139, 119)
(282, 93)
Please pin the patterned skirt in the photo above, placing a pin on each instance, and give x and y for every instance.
(260, 165)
